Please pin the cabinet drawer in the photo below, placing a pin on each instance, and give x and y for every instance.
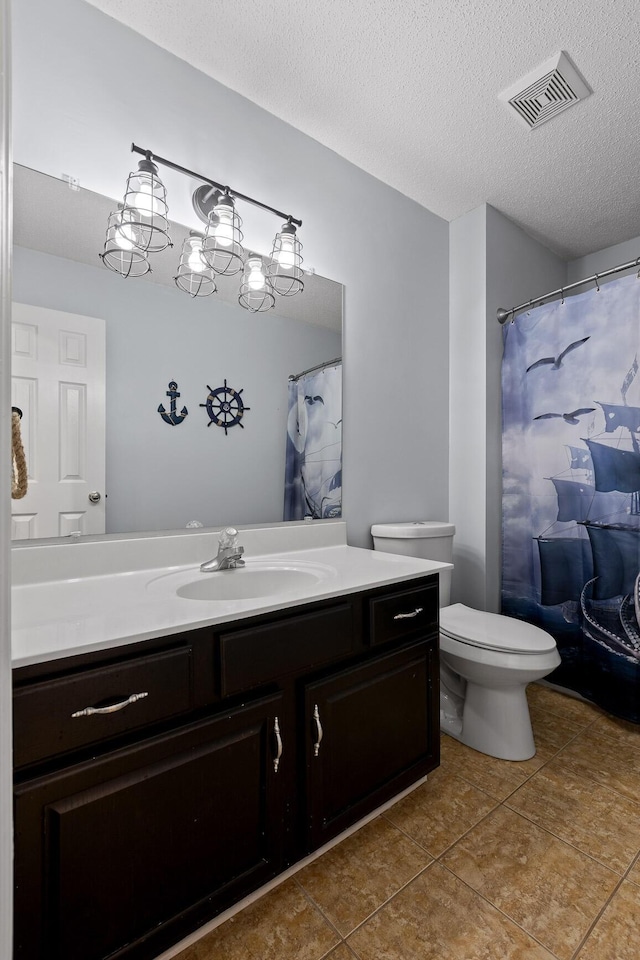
(403, 613)
(46, 720)
(270, 651)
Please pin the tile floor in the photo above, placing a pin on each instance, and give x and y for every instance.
(488, 860)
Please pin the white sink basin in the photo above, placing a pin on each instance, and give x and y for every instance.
(257, 579)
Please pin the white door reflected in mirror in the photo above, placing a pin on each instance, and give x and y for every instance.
(58, 381)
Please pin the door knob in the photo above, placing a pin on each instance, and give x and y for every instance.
(95, 497)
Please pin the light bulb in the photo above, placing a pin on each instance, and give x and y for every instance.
(286, 256)
(195, 261)
(223, 231)
(125, 237)
(255, 280)
(144, 201)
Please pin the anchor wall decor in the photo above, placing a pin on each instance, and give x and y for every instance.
(172, 418)
(225, 407)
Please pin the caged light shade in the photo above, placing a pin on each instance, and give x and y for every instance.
(121, 253)
(256, 294)
(145, 208)
(222, 245)
(194, 276)
(285, 269)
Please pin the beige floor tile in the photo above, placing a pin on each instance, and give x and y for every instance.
(440, 811)
(498, 778)
(354, 878)
(341, 953)
(616, 936)
(436, 917)
(626, 734)
(552, 733)
(550, 889)
(282, 925)
(634, 873)
(593, 755)
(586, 814)
(548, 700)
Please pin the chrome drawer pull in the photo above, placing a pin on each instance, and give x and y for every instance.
(89, 711)
(407, 616)
(319, 733)
(276, 730)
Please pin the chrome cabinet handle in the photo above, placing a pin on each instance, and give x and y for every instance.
(276, 759)
(319, 733)
(90, 711)
(407, 616)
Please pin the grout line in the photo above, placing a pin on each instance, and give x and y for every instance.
(317, 907)
(597, 919)
(501, 912)
(390, 898)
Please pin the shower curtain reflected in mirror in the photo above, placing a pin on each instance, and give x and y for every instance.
(313, 471)
(571, 486)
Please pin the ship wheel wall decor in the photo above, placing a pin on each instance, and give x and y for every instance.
(225, 407)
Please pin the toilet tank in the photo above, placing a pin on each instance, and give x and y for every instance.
(428, 539)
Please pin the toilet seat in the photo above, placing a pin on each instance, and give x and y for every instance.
(492, 631)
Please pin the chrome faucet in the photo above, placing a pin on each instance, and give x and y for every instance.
(229, 553)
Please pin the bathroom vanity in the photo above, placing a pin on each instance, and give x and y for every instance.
(161, 779)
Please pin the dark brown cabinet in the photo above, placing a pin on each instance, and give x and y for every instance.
(370, 736)
(113, 851)
(258, 741)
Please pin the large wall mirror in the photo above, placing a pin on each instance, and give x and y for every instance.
(96, 355)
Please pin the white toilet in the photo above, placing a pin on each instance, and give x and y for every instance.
(486, 660)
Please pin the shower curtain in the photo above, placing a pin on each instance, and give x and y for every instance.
(571, 486)
(313, 469)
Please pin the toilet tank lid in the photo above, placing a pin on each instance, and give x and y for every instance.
(417, 529)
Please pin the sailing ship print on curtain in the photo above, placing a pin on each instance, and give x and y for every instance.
(313, 470)
(571, 486)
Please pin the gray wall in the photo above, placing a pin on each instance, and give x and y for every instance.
(468, 387)
(159, 477)
(85, 87)
(493, 263)
(603, 260)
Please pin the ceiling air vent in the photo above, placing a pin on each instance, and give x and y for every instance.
(548, 90)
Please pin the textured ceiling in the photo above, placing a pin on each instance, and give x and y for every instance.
(408, 91)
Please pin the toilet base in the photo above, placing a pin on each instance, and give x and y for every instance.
(496, 721)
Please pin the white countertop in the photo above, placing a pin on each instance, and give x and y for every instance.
(57, 618)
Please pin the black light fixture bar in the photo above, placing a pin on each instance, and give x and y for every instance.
(150, 155)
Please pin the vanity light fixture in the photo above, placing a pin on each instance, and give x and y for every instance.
(222, 246)
(195, 276)
(255, 291)
(141, 227)
(121, 253)
(285, 269)
(145, 207)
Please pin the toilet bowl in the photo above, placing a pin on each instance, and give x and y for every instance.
(497, 656)
(486, 659)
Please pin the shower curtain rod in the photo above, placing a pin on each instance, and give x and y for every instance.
(503, 315)
(318, 366)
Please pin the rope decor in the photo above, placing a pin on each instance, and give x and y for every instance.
(19, 475)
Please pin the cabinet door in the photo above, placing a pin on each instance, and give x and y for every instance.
(371, 731)
(126, 854)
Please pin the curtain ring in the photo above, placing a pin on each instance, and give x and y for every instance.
(638, 265)
(595, 277)
(561, 296)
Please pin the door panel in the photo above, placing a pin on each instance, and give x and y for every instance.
(379, 733)
(58, 381)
